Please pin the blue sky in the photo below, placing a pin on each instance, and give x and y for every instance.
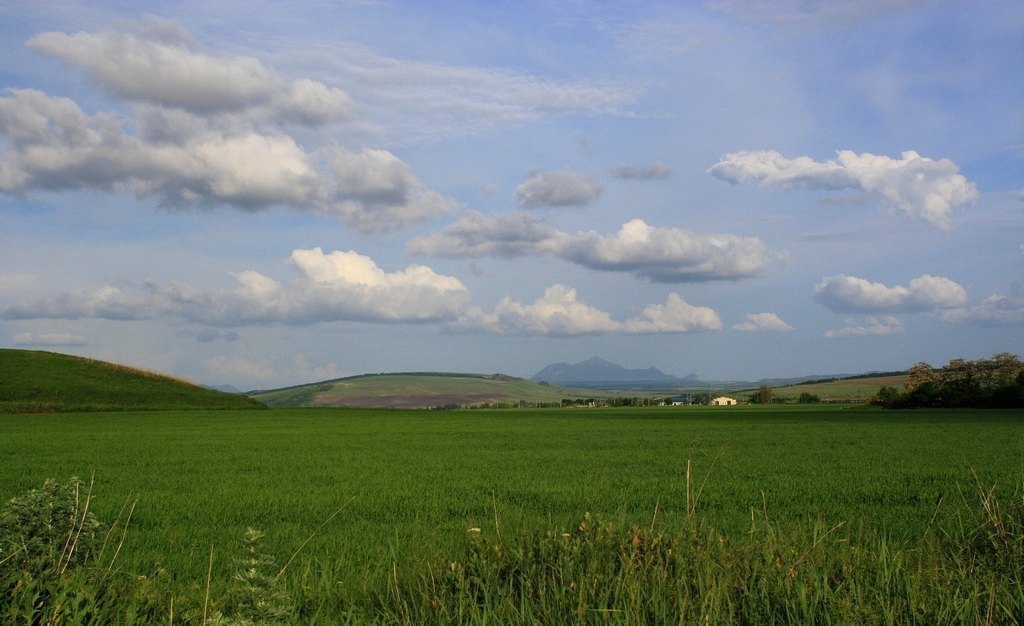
(266, 194)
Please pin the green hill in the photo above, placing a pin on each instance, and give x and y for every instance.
(855, 388)
(47, 382)
(419, 390)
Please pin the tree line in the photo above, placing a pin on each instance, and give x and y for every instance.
(997, 382)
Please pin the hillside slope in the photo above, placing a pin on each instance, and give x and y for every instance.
(48, 382)
(418, 390)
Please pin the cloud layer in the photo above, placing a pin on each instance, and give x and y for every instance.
(914, 185)
(206, 131)
(668, 255)
(340, 286)
(560, 313)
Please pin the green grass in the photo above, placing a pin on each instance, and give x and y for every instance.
(845, 389)
(409, 484)
(420, 391)
(47, 382)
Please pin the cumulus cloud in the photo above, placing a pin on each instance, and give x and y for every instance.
(873, 326)
(651, 171)
(160, 63)
(756, 322)
(996, 310)
(914, 185)
(340, 286)
(560, 312)
(47, 340)
(375, 190)
(54, 145)
(849, 294)
(668, 255)
(560, 188)
(224, 367)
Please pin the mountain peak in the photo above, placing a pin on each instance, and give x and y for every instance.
(596, 370)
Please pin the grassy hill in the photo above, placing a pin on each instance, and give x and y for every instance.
(856, 388)
(47, 382)
(418, 390)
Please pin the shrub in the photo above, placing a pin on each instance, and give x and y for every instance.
(51, 524)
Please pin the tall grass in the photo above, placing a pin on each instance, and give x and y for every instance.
(597, 572)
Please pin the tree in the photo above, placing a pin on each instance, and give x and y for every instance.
(764, 394)
(885, 397)
(808, 398)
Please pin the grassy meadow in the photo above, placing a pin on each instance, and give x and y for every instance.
(33, 381)
(826, 484)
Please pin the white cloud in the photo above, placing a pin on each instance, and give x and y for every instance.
(873, 326)
(224, 367)
(675, 316)
(160, 63)
(559, 312)
(756, 322)
(651, 171)
(667, 255)
(47, 339)
(848, 294)
(302, 370)
(56, 146)
(914, 185)
(996, 310)
(560, 188)
(375, 190)
(340, 286)
(476, 235)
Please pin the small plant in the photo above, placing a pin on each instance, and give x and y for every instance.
(52, 524)
(254, 599)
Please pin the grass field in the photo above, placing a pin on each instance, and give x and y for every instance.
(411, 483)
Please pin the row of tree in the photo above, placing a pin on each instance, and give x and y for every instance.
(997, 382)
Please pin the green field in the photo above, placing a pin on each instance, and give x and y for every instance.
(412, 482)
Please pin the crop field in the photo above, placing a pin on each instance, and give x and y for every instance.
(410, 484)
(847, 388)
(413, 391)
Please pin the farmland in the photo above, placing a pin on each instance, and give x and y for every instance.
(409, 484)
(420, 390)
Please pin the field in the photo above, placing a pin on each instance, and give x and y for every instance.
(419, 390)
(844, 389)
(410, 483)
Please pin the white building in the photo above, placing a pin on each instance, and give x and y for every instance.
(723, 401)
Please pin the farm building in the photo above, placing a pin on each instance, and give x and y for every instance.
(723, 401)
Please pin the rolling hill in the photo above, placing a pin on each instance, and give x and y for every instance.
(48, 382)
(418, 390)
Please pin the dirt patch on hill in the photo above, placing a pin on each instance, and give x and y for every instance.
(406, 401)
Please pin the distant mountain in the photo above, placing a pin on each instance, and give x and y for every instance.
(597, 373)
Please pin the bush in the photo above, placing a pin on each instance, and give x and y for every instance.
(52, 524)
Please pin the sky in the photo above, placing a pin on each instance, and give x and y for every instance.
(266, 194)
